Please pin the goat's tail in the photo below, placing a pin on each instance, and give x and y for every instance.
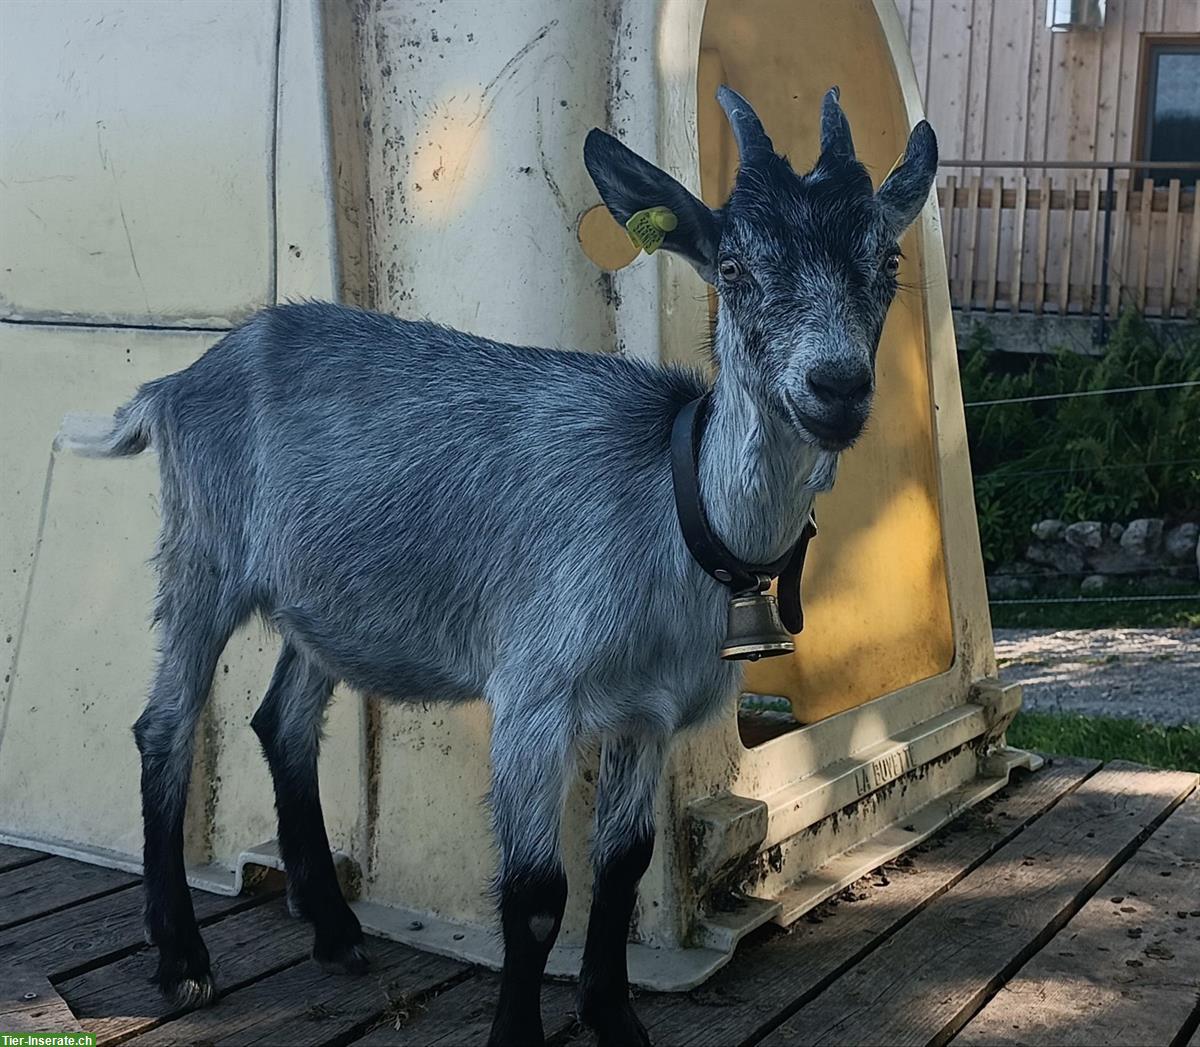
(130, 431)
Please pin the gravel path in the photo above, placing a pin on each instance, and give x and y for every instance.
(1151, 675)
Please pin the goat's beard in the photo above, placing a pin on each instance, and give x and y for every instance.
(824, 472)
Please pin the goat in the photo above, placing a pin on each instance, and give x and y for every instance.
(430, 515)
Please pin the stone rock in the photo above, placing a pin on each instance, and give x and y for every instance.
(1115, 531)
(1093, 584)
(1143, 537)
(1088, 534)
(1009, 586)
(1048, 530)
(1180, 541)
(1057, 555)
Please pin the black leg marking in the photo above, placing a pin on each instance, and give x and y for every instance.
(604, 980)
(191, 642)
(531, 911)
(624, 842)
(288, 724)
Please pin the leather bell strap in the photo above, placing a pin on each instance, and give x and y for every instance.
(706, 548)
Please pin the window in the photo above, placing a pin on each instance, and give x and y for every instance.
(1170, 106)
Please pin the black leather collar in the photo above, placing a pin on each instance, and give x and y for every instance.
(706, 548)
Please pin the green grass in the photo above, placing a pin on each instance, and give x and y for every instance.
(1107, 738)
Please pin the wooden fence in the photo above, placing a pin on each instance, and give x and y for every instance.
(1049, 227)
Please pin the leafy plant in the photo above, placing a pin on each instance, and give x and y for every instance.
(1113, 457)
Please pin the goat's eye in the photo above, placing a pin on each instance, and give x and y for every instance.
(730, 269)
(891, 264)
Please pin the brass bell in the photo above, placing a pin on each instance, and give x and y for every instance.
(754, 630)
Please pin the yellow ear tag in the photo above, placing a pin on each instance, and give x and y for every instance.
(648, 228)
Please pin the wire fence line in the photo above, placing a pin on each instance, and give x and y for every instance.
(1084, 392)
(1194, 597)
(1172, 571)
(1064, 470)
(1090, 468)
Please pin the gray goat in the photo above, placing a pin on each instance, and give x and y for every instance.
(429, 515)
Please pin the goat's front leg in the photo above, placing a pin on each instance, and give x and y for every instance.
(288, 723)
(532, 763)
(624, 840)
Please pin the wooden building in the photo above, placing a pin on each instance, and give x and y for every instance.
(1043, 114)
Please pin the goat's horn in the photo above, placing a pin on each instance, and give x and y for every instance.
(747, 127)
(835, 128)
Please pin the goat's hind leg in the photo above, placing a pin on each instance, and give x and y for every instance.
(193, 630)
(624, 841)
(288, 724)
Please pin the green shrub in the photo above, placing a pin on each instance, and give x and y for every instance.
(1087, 458)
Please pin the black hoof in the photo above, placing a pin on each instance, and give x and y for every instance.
(618, 1026)
(185, 977)
(507, 1033)
(342, 959)
(339, 948)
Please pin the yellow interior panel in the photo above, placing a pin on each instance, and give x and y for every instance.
(877, 608)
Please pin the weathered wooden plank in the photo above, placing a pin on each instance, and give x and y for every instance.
(1018, 261)
(30, 891)
(1043, 243)
(1172, 231)
(978, 88)
(1093, 254)
(1068, 249)
(119, 999)
(1146, 225)
(949, 71)
(462, 1016)
(768, 976)
(951, 229)
(926, 981)
(94, 931)
(15, 857)
(1181, 16)
(1039, 84)
(1108, 91)
(1126, 969)
(1006, 95)
(971, 220)
(920, 29)
(29, 1003)
(1116, 261)
(996, 211)
(1128, 27)
(304, 1005)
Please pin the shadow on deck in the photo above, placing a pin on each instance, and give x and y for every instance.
(1065, 910)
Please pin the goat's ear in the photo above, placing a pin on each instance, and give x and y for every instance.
(628, 184)
(906, 189)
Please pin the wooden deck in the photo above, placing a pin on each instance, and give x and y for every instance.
(1066, 910)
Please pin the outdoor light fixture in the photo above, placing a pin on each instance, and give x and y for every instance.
(1064, 15)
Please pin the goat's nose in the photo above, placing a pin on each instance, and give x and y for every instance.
(833, 384)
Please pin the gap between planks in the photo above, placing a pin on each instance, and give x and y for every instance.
(37, 889)
(1126, 969)
(772, 974)
(930, 978)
